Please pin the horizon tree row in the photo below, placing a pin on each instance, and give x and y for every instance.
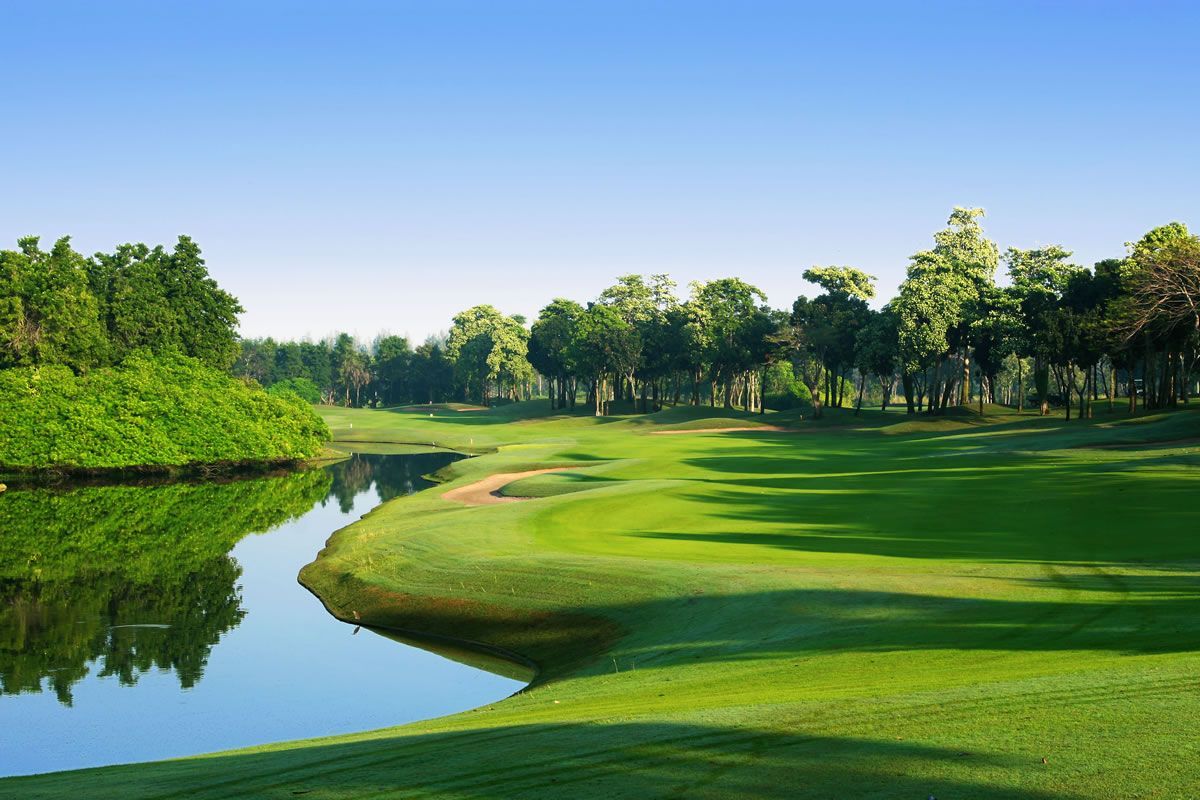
(1057, 334)
(1059, 331)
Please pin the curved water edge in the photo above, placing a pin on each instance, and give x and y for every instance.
(142, 623)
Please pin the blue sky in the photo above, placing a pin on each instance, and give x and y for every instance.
(369, 166)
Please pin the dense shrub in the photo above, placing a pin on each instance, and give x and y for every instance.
(150, 411)
(783, 390)
(303, 387)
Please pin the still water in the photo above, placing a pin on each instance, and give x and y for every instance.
(140, 623)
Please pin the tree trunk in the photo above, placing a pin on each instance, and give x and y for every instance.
(1131, 388)
(862, 385)
(965, 395)
(1020, 386)
(814, 390)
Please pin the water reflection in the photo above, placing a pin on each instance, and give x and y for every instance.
(155, 603)
(131, 578)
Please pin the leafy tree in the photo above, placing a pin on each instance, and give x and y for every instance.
(876, 352)
(207, 314)
(58, 307)
(1039, 281)
(508, 362)
(289, 363)
(433, 374)
(736, 329)
(605, 346)
(940, 302)
(48, 313)
(488, 350)
(391, 368)
(550, 342)
(842, 280)
(832, 322)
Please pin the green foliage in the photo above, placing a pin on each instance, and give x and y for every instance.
(48, 314)
(736, 327)
(488, 350)
(550, 337)
(944, 336)
(782, 390)
(305, 389)
(59, 307)
(148, 412)
(842, 280)
(391, 368)
(604, 345)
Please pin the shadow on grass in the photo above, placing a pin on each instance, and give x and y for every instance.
(574, 760)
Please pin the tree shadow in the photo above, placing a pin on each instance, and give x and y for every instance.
(578, 760)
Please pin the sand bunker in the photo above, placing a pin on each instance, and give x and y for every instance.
(768, 428)
(487, 491)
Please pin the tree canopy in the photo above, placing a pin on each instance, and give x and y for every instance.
(59, 307)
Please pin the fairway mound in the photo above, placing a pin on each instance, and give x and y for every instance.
(487, 491)
(456, 407)
(1156, 444)
(762, 428)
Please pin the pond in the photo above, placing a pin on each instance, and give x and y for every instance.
(147, 622)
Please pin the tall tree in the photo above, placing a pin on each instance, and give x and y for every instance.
(731, 315)
(48, 313)
(550, 348)
(391, 366)
(488, 350)
(604, 347)
(939, 303)
(1039, 279)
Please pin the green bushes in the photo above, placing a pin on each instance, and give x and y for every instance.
(306, 389)
(149, 412)
(783, 390)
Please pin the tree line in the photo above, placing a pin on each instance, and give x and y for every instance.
(340, 370)
(1056, 334)
(62, 308)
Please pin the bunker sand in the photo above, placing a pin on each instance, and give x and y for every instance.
(761, 428)
(486, 492)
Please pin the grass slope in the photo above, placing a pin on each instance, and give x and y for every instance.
(871, 607)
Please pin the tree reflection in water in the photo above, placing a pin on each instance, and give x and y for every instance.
(130, 578)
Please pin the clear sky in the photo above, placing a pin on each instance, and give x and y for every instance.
(368, 166)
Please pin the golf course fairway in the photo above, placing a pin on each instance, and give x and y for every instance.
(883, 606)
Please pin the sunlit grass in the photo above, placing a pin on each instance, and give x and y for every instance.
(875, 606)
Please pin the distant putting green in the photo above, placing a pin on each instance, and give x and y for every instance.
(880, 607)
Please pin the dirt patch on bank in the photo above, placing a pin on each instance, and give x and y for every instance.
(487, 491)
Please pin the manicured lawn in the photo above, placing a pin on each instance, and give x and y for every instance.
(882, 607)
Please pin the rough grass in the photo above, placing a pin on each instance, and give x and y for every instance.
(875, 606)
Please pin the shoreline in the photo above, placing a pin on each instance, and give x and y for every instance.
(156, 474)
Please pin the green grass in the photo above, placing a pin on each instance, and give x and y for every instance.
(874, 606)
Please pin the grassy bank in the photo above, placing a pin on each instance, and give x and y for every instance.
(874, 607)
